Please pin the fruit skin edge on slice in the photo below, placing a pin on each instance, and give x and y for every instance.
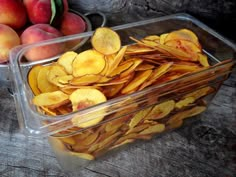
(83, 98)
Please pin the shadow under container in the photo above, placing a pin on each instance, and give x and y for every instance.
(137, 116)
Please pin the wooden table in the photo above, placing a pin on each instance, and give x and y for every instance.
(204, 148)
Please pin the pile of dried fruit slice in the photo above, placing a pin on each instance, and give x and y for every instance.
(108, 70)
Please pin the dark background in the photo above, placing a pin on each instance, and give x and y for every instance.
(218, 14)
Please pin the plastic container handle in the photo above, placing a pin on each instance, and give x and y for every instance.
(103, 17)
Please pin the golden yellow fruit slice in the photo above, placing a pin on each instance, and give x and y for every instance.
(82, 155)
(136, 62)
(42, 80)
(184, 68)
(184, 102)
(136, 49)
(112, 90)
(158, 72)
(51, 99)
(186, 114)
(161, 110)
(64, 79)
(88, 62)
(66, 60)
(88, 140)
(86, 79)
(203, 60)
(106, 41)
(200, 92)
(83, 98)
(158, 128)
(68, 140)
(32, 79)
(54, 72)
(183, 34)
(144, 66)
(138, 117)
(121, 68)
(138, 128)
(48, 111)
(116, 145)
(154, 38)
(163, 37)
(116, 60)
(137, 81)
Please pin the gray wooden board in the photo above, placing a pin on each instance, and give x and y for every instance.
(205, 147)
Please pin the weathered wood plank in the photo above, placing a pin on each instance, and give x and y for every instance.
(218, 14)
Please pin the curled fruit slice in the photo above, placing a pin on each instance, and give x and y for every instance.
(83, 98)
(51, 99)
(88, 62)
(32, 79)
(66, 61)
(106, 41)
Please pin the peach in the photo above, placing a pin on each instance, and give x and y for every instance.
(13, 13)
(8, 39)
(37, 33)
(72, 24)
(40, 11)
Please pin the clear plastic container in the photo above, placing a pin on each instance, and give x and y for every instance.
(75, 147)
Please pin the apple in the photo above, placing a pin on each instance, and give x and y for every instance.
(12, 13)
(8, 39)
(37, 33)
(40, 11)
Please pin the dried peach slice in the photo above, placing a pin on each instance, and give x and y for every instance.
(144, 66)
(121, 68)
(135, 49)
(184, 102)
(158, 72)
(64, 79)
(161, 110)
(42, 80)
(66, 60)
(82, 155)
(112, 90)
(51, 99)
(106, 41)
(116, 145)
(117, 59)
(88, 62)
(203, 60)
(136, 63)
(32, 79)
(48, 111)
(138, 117)
(138, 128)
(163, 37)
(200, 92)
(185, 68)
(137, 81)
(86, 79)
(186, 114)
(183, 34)
(83, 98)
(158, 128)
(152, 38)
(54, 72)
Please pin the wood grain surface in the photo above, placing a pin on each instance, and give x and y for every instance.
(205, 147)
